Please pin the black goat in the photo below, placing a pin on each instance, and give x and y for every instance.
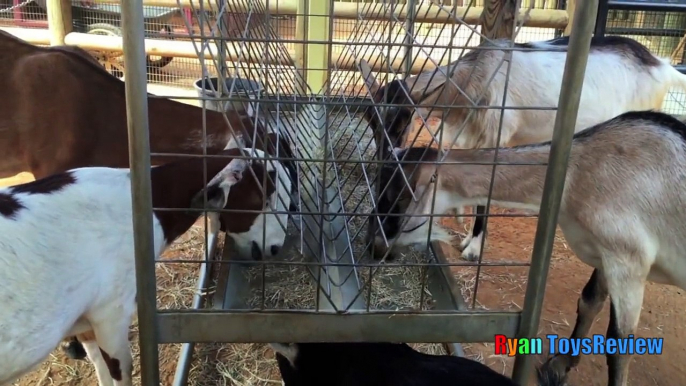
(381, 364)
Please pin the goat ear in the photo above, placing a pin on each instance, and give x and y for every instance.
(422, 85)
(219, 187)
(288, 350)
(369, 80)
(398, 152)
(216, 198)
(235, 142)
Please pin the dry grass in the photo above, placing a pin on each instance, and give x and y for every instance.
(293, 286)
(176, 287)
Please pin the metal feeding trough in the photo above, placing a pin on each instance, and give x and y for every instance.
(239, 90)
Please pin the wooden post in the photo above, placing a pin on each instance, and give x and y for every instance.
(59, 20)
(571, 6)
(317, 55)
(299, 55)
(498, 19)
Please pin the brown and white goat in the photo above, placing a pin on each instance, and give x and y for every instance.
(61, 111)
(67, 254)
(621, 75)
(251, 231)
(622, 209)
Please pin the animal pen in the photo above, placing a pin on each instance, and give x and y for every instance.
(308, 91)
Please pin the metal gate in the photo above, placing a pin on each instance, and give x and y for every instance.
(336, 168)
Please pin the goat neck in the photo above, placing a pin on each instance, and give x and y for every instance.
(174, 186)
(514, 186)
(188, 135)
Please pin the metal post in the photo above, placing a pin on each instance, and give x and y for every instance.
(186, 352)
(601, 19)
(409, 36)
(565, 120)
(222, 69)
(139, 160)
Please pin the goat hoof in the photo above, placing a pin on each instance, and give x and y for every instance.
(74, 350)
(471, 252)
(464, 243)
(547, 376)
(470, 256)
(555, 368)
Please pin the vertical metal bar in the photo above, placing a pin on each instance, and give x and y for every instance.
(342, 282)
(186, 353)
(601, 19)
(565, 120)
(445, 290)
(139, 160)
(221, 44)
(409, 35)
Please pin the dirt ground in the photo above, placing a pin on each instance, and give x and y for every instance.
(510, 239)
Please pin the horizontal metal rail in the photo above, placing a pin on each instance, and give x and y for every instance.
(671, 32)
(266, 327)
(644, 6)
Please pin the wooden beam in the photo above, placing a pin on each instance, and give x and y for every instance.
(430, 13)
(185, 49)
(498, 19)
(182, 49)
(299, 55)
(284, 7)
(425, 13)
(571, 6)
(59, 20)
(37, 36)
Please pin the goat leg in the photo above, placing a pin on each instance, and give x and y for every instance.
(590, 303)
(74, 349)
(471, 245)
(102, 368)
(626, 285)
(615, 362)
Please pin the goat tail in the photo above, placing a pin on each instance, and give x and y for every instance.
(678, 80)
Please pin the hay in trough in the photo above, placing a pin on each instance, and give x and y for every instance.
(294, 286)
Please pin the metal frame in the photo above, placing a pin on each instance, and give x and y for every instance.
(133, 36)
(657, 6)
(606, 5)
(175, 326)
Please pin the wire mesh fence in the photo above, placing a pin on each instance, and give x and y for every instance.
(662, 32)
(325, 263)
(323, 186)
(22, 13)
(172, 23)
